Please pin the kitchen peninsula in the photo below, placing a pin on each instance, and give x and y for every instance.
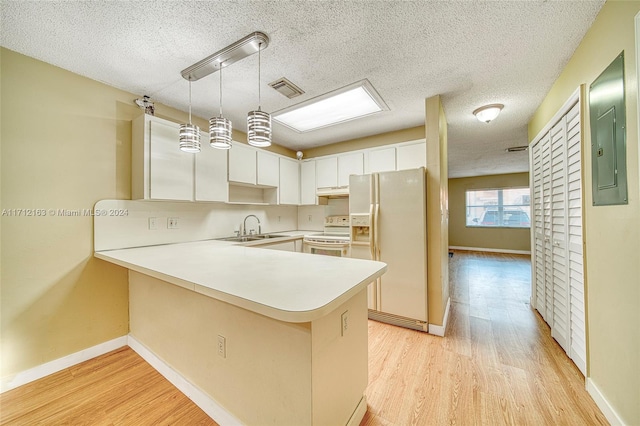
(272, 337)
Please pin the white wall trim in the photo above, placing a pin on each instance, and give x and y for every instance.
(492, 250)
(15, 380)
(603, 404)
(195, 394)
(440, 330)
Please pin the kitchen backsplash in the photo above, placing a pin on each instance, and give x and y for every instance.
(126, 223)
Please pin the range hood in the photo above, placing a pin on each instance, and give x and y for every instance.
(333, 192)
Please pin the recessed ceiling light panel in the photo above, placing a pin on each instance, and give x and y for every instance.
(354, 101)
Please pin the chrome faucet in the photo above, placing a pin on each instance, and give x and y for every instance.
(244, 225)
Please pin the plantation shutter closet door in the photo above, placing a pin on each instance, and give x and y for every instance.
(537, 233)
(557, 291)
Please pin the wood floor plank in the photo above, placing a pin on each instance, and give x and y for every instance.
(497, 365)
(118, 388)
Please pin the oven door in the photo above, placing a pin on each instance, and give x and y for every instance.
(337, 249)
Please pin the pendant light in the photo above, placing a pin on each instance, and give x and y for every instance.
(189, 133)
(259, 122)
(220, 127)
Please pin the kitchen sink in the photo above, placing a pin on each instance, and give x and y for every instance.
(247, 238)
(241, 239)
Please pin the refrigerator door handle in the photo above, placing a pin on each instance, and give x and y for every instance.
(375, 232)
(371, 236)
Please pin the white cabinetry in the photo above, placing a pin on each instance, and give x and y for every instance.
(159, 170)
(308, 182)
(411, 156)
(242, 164)
(327, 172)
(211, 174)
(289, 181)
(349, 164)
(268, 169)
(381, 160)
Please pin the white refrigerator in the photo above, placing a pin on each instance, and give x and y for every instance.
(388, 222)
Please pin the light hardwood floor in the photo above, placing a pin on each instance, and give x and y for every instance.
(118, 388)
(497, 365)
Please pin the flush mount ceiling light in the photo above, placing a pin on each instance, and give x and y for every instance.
(258, 121)
(189, 133)
(488, 112)
(354, 101)
(220, 127)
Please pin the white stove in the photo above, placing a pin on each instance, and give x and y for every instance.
(333, 241)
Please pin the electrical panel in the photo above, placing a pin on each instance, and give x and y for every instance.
(608, 135)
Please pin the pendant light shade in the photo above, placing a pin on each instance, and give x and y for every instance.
(258, 121)
(189, 138)
(259, 128)
(189, 133)
(220, 127)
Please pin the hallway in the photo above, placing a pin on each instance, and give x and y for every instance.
(497, 364)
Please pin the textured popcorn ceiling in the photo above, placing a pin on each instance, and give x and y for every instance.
(471, 52)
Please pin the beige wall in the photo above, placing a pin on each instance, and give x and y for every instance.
(437, 210)
(66, 143)
(491, 238)
(611, 232)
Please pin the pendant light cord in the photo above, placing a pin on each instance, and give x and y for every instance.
(259, 94)
(189, 101)
(221, 90)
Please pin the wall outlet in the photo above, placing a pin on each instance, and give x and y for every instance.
(222, 346)
(344, 321)
(310, 218)
(153, 223)
(172, 223)
(278, 219)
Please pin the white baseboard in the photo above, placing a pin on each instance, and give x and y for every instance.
(603, 404)
(40, 371)
(440, 330)
(359, 412)
(195, 394)
(491, 250)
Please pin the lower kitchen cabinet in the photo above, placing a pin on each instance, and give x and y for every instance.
(284, 246)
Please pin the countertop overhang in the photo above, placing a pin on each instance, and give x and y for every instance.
(287, 286)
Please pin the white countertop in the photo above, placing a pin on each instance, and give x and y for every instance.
(287, 286)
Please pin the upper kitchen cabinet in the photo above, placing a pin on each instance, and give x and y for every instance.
(327, 172)
(289, 181)
(411, 156)
(253, 175)
(380, 160)
(349, 164)
(159, 170)
(268, 169)
(242, 164)
(211, 173)
(308, 182)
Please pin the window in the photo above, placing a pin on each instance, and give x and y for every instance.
(503, 208)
